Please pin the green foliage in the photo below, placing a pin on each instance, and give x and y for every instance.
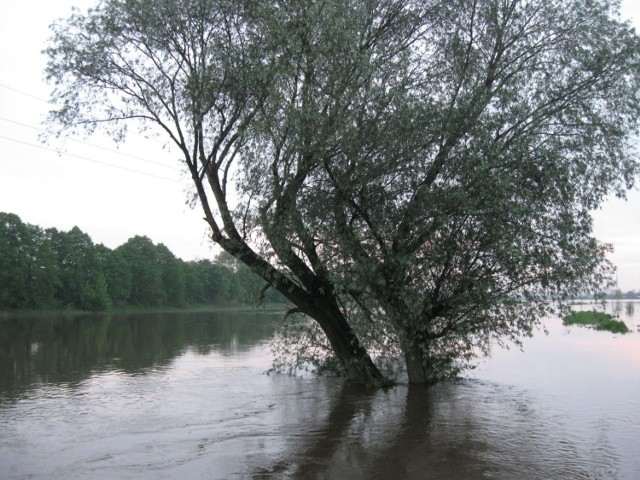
(117, 274)
(82, 284)
(173, 277)
(95, 297)
(146, 271)
(598, 320)
(29, 272)
(215, 282)
(14, 262)
(445, 184)
(50, 269)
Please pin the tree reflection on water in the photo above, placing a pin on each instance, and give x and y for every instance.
(59, 349)
(456, 430)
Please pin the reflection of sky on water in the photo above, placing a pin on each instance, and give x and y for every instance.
(627, 346)
(589, 378)
(567, 355)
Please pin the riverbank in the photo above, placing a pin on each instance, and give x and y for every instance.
(125, 310)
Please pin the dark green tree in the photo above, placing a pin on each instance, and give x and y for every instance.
(143, 258)
(195, 284)
(116, 273)
(173, 277)
(45, 272)
(14, 261)
(28, 268)
(417, 175)
(209, 282)
(244, 285)
(220, 281)
(82, 283)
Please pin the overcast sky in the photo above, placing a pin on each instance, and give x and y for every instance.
(113, 193)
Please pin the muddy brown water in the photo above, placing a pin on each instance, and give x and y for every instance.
(186, 396)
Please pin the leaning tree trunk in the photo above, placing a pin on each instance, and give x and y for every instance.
(322, 307)
(312, 300)
(345, 344)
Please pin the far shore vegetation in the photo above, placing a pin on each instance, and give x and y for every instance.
(597, 320)
(53, 272)
(57, 272)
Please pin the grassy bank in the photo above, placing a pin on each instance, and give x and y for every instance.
(126, 310)
(597, 320)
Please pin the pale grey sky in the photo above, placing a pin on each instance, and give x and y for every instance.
(139, 189)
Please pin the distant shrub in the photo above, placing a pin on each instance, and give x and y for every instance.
(598, 320)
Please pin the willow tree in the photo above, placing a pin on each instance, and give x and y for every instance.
(421, 168)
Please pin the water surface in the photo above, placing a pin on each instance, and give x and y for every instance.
(186, 396)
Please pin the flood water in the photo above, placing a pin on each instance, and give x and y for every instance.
(186, 396)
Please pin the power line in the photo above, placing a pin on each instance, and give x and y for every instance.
(41, 147)
(93, 145)
(44, 100)
(23, 93)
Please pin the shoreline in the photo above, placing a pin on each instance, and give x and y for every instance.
(130, 310)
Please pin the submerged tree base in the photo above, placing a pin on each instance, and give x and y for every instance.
(598, 320)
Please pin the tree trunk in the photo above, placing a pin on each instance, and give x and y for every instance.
(321, 307)
(418, 369)
(346, 346)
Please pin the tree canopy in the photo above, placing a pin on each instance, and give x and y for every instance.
(414, 175)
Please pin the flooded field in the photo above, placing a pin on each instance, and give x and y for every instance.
(186, 396)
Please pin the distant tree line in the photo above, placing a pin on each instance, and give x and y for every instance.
(620, 295)
(616, 294)
(48, 268)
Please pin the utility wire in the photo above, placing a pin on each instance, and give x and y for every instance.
(93, 145)
(44, 100)
(41, 147)
(23, 93)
